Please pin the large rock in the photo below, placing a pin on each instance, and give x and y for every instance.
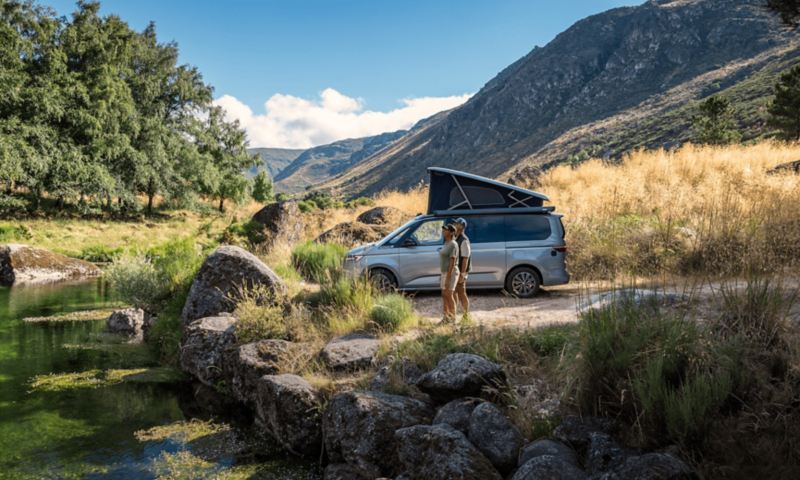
(343, 471)
(290, 408)
(576, 431)
(457, 413)
(128, 321)
(245, 364)
(549, 467)
(788, 167)
(205, 343)
(405, 370)
(547, 446)
(359, 429)
(495, 436)
(283, 223)
(382, 216)
(20, 264)
(604, 453)
(440, 452)
(651, 466)
(224, 274)
(461, 375)
(350, 352)
(354, 233)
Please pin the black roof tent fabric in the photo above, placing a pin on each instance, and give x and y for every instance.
(452, 191)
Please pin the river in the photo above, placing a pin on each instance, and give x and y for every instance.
(89, 432)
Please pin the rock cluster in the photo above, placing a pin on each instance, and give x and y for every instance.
(382, 216)
(129, 322)
(283, 223)
(354, 233)
(20, 264)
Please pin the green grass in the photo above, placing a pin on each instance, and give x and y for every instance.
(318, 262)
(59, 382)
(393, 313)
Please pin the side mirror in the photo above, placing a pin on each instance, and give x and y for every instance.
(409, 242)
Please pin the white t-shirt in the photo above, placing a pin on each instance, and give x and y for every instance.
(465, 250)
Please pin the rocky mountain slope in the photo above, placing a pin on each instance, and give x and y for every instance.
(274, 159)
(622, 79)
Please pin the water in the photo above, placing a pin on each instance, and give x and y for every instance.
(83, 432)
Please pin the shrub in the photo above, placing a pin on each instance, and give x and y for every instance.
(100, 253)
(12, 205)
(11, 232)
(360, 202)
(318, 262)
(137, 281)
(392, 313)
(251, 231)
(259, 317)
(306, 206)
(354, 295)
(759, 311)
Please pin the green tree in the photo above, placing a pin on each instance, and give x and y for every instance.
(784, 110)
(262, 187)
(716, 122)
(789, 10)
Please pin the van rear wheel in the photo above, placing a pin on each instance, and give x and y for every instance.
(523, 282)
(383, 279)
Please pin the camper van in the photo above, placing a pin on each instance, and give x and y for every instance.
(517, 243)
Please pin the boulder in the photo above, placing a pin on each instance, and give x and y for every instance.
(406, 370)
(128, 321)
(221, 278)
(547, 446)
(290, 409)
(461, 375)
(283, 223)
(603, 453)
(244, 365)
(575, 431)
(205, 343)
(456, 413)
(354, 233)
(440, 452)
(495, 436)
(382, 216)
(788, 167)
(527, 176)
(652, 466)
(359, 429)
(21, 264)
(350, 352)
(549, 467)
(343, 471)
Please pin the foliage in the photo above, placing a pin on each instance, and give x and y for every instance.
(784, 110)
(318, 262)
(360, 202)
(306, 206)
(259, 317)
(13, 232)
(716, 122)
(100, 253)
(136, 281)
(789, 10)
(392, 313)
(262, 187)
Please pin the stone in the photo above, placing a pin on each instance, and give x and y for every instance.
(350, 352)
(382, 216)
(128, 321)
(547, 446)
(456, 413)
(245, 364)
(603, 453)
(343, 471)
(290, 409)
(495, 436)
(461, 375)
(223, 275)
(406, 370)
(788, 167)
(354, 233)
(652, 466)
(283, 223)
(359, 429)
(440, 452)
(575, 431)
(22, 264)
(527, 176)
(204, 345)
(549, 467)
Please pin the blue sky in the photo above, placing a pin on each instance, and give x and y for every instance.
(376, 53)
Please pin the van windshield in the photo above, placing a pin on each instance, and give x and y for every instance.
(396, 234)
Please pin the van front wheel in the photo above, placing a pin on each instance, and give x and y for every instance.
(523, 282)
(383, 280)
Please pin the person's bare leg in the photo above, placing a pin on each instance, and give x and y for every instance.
(451, 304)
(461, 293)
(445, 304)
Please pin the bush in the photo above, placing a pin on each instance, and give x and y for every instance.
(306, 206)
(322, 200)
(137, 281)
(360, 202)
(251, 231)
(318, 262)
(10, 232)
(392, 313)
(12, 205)
(100, 253)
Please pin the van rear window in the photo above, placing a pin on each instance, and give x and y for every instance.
(520, 228)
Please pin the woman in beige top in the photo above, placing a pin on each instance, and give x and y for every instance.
(448, 260)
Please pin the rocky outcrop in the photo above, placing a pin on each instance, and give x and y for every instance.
(651, 466)
(359, 429)
(283, 223)
(440, 452)
(354, 233)
(244, 365)
(546, 446)
(382, 216)
(350, 352)
(205, 343)
(21, 264)
(457, 413)
(128, 321)
(788, 167)
(461, 375)
(549, 467)
(222, 277)
(291, 410)
(495, 436)
(406, 371)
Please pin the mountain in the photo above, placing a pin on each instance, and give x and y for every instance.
(622, 79)
(319, 164)
(274, 159)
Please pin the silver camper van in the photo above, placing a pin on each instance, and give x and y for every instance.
(517, 243)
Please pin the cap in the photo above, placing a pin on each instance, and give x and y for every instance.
(449, 227)
(460, 221)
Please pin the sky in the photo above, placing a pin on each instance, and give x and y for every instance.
(300, 73)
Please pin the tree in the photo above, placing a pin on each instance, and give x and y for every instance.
(262, 187)
(716, 122)
(784, 110)
(789, 10)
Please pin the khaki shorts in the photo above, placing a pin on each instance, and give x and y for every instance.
(452, 284)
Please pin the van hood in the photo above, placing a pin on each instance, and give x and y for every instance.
(361, 249)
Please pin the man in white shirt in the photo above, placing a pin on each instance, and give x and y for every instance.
(464, 264)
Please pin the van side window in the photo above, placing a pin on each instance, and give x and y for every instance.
(521, 228)
(429, 233)
(486, 229)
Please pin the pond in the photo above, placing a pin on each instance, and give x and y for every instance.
(101, 428)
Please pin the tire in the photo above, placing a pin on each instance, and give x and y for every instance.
(383, 279)
(523, 282)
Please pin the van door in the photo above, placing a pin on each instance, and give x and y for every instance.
(487, 238)
(529, 242)
(418, 256)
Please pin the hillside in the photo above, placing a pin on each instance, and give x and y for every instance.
(614, 81)
(274, 159)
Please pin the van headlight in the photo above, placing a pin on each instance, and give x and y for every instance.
(353, 258)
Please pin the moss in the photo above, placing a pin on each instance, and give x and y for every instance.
(58, 382)
(78, 316)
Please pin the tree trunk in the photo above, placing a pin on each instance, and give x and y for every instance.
(60, 203)
(221, 204)
(149, 203)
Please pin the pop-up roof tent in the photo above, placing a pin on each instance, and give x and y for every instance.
(454, 192)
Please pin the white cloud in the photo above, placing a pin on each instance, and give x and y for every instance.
(293, 122)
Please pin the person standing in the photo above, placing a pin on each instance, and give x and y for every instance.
(464, 264)
(448, 260)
